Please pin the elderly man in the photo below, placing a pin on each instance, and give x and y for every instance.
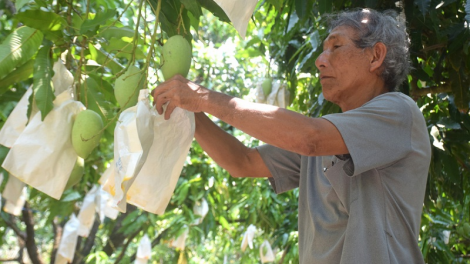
(362, 173)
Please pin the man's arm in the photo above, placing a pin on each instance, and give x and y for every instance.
(276, 126)
(227, 151)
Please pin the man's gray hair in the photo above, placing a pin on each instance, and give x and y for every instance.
(388, 28)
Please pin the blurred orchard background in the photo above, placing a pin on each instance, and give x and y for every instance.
(99, 39)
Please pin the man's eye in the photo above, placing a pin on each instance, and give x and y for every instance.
(336, 46)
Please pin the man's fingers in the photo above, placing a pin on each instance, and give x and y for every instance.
(160, 100)
(169, 109)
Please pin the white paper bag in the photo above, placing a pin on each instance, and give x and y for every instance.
(68, 242)
(107, 183)
(133, 137)
(279, 95)
(104, 203)
(62, 79)
(269, 256)
(248, 237)
(180, 242)
(43, 156)
(15, 194)
(239, 12)
(156, 182)
(16, 121)
(144, 251)
(86, 216)
(200, 209)
(259, 94)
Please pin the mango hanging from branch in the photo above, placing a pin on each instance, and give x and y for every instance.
(127, 87)
(177, 56)
(86, 132)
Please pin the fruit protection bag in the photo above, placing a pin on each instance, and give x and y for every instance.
(18, 118)
(259, 94)
(248, 237)
(86, 216)
(16, 121)
(239, 12)
(68, 242)
(156, 182)
(200, 210)
(144, 251)
(43, 156)
(279, 95)
(15, 194)
(133, 137)
(266, 252)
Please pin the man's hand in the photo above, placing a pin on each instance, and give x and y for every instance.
(179, 92)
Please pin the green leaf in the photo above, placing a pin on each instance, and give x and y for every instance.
(71, 196)
(276, 3)
(224, 222)
(104, 58)
(215, 9)
(123, 49)
(116, 32)
(99, 19)
(19, 74)
(459, 85)
(42, 84)
(42, 20)
(193, 7)
(325, 6)
(18, 48)
(20, 3)
(93, 99)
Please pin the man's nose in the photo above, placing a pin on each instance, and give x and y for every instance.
(321, 61)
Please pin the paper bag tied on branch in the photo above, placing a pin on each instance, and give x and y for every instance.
(43, 156)
(133, 137)
(15, 194)
(156, 182)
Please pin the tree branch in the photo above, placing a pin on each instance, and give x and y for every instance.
(88, 245)
(445, 88)
(124, 248)
(58, 230)
(12, 225)
(30, 242)
(116, 238)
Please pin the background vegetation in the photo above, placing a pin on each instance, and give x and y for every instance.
(283, 40)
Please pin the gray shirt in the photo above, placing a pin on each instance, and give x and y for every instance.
(364, 207)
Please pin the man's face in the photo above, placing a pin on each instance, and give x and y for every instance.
(343, 67)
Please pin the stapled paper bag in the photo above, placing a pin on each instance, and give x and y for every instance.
(68, 242)
(239, 12)
(200, 210)
(16, 121)
(248, 237)
(144, 251)
(266, 252)
(86, 216)
(43, 156)
(180, 241)
(18, 118)
(15, 194)
(133, 137)
(279, 95)
(156, 182)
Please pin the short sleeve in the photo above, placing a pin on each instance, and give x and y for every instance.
(283, 165)
(376, 134)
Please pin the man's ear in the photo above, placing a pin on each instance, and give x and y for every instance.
(378, 56)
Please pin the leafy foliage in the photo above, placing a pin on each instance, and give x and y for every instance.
(99, 40)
